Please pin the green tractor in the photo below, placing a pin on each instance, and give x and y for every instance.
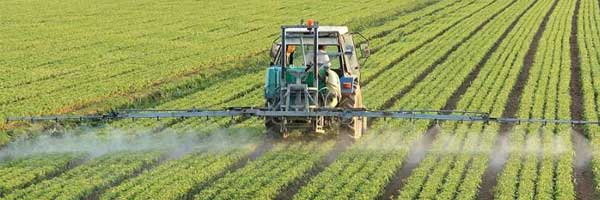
(315, 68)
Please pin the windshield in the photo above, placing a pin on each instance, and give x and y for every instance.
(302, 55)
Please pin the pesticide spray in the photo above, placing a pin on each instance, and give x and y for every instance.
(97, 142)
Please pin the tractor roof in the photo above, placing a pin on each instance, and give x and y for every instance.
(340, 29)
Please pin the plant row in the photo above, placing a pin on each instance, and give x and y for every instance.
(588, 25)
(270, 174)
(176, 179)
(488, 92)
(402, 74)
(363, 171)
(441, 171)
(20, 172)
(539, 165)
(146, 58)
(89, 178)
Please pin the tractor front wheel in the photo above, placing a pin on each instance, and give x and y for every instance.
(354, 127)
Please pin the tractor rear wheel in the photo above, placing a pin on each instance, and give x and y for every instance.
(353, 128)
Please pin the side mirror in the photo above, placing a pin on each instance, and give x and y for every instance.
(275, 50)
(365, 51)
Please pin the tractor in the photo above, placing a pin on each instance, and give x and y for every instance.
(312, 85)
(315, 68)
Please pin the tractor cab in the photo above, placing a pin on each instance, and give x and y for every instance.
(312, 68)
(338, 45)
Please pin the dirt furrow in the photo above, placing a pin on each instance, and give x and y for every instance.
(582, 169)
(499, 154)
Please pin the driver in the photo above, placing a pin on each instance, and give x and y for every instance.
(322, 57)
(332, 80)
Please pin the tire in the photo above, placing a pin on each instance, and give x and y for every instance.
(353, 128)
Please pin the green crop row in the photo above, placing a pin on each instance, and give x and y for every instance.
(111, 62)
(85, 180)
(400, 75)
(413, 36)
(363, 171)
(447, 156)
(489, 92)
(363, 163)
(20, 172)
(384, 35)
(540, 164)
(177, 178)
(265, 177)
(398, 21)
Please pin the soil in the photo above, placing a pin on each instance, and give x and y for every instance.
(583, 175)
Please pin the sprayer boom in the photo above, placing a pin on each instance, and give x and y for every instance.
(431, 115)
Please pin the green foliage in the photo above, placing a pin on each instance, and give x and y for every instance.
(91, 177)
(20, 172)
(176, 178)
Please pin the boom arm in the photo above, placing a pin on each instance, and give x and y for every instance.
(435, 115)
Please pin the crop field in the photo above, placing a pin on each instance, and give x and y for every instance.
(529, 59)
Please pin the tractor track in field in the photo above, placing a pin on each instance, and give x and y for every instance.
(293, 188)
(582, 169)
(499, 155)
(415, 156)
(411, 51)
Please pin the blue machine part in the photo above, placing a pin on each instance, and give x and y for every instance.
(347, 84)
(272, 82)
